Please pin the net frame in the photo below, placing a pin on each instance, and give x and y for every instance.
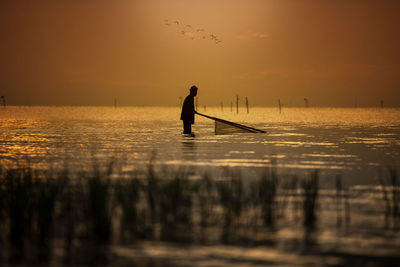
(242, 127)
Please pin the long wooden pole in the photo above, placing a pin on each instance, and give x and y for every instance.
(244, 127)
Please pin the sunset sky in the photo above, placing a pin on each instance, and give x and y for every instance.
(89, 52)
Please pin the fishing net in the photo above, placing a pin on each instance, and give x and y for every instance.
(228, 128)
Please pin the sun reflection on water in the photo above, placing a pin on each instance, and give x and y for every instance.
(299, 138)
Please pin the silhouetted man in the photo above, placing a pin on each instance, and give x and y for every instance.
(188, 111)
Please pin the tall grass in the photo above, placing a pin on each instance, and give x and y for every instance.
(267, 193)
(79, 210)
(127, 194)
(231, 197)
(175, 208)
(98, 208)
(342, 204)
(152, 195)
(205, 192)
(19, 196)
(28, 209)
(391, 195)
(310, 188)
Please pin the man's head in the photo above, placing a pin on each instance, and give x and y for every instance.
(193, 90)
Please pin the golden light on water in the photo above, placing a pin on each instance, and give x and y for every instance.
(298, 138)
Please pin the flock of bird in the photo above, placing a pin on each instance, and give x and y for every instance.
(191, 32)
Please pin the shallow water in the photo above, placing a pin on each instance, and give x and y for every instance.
(353, 143)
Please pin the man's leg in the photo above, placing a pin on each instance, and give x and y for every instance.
(187, 127)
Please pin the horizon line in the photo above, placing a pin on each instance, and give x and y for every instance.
(177, 106)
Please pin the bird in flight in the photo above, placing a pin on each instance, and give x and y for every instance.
(191, 31)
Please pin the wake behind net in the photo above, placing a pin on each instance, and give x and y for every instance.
(228, 127)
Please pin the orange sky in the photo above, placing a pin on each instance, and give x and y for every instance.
(88, 52)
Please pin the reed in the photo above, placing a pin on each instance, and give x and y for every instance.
(83, 209)
(152, 191)
(310, 188)
(175, 208)
(48, 191)
(69, 212)
(205, 193)
(339, 200)
(19, 199)
(390, 187)
(267, 192)
(98, 207)
(27, 207)
(231, 200)
(127, 194)
(342, 204)
(288, 190)
(2, 198)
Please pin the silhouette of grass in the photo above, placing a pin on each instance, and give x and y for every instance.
(391, 196)
(205, 192)
(98, 208)
(28, 207)
(48, 189)
(175, 208)
(80, 210)
(127, 194)
(342, 204)
(267, 192)
(231, 198)
(310, 188)
(152, 195)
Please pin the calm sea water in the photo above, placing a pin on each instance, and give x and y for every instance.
(353, 143)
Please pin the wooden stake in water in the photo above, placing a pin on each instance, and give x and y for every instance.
(237, 104)
(306, 102)
(180, 101)
(222, 106)
(279, 104)
(231, 106)
(247, 105)
(382, 103)
(205, 108)
(3, 101)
